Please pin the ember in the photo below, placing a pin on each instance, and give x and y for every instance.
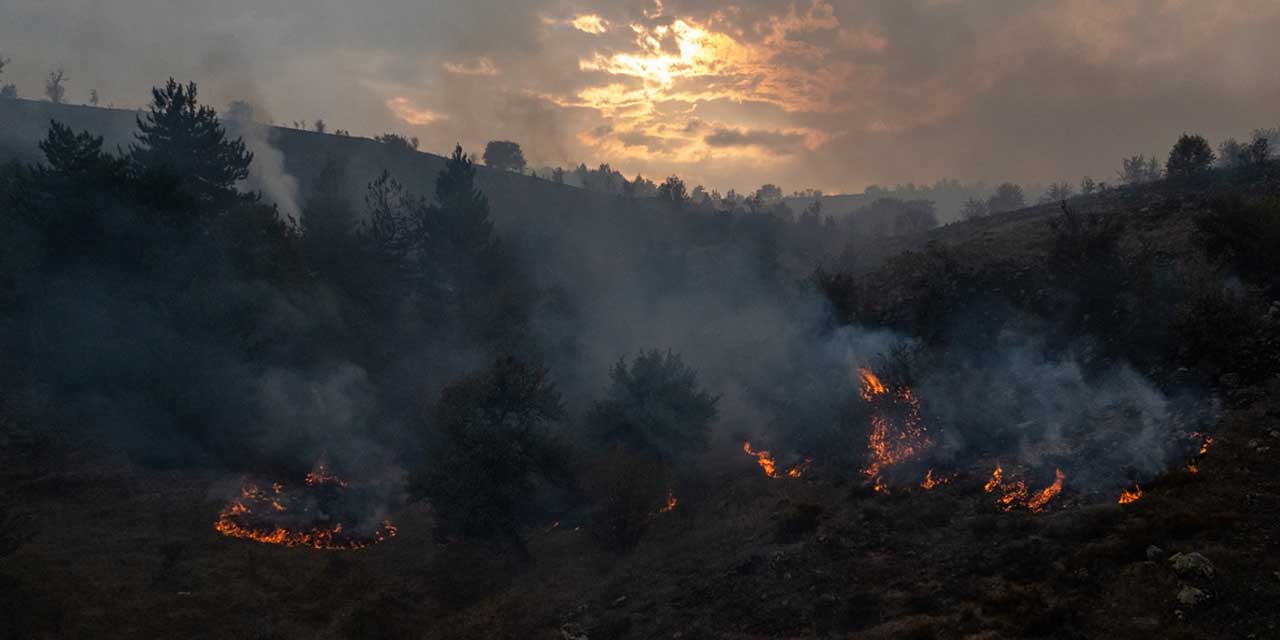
(671, 502)
(323, 514)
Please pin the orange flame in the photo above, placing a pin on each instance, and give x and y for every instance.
(764, 459)
(1127, 496)
(1048, 493)
(1205, 442)
(671, 502)
(770, 466)
(798, 470)
(896, 435)
(1014, 493)
(930, 483)
(1204, 446)
(231, 520)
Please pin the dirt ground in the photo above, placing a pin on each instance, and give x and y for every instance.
(121, 552)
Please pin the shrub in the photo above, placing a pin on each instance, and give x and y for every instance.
(1190, 156)
(655, 406)
(1246, 232)
(627, 490)
(488, 445)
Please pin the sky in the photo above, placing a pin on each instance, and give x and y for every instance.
(828, 94)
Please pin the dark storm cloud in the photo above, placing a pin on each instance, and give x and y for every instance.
(898, 89)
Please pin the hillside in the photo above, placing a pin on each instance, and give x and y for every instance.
(514, 197)
(583, 417)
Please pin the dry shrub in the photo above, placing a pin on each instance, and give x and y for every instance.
(627, 490)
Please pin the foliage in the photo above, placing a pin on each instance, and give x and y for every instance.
(1057, 192)
(1139, 169)
(973, 208)
(627, 490)
(183, 154)
(654, 406)
(398, 142)
(1007, 197)
(487, 444)
(1190, 156)
(504, 155)
(673, 192)
(1246, 232)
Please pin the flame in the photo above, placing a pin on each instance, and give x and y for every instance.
(997, 477)
(1014, 493)
(770, 466)
(800, 469)
(871, 385)
(764, 459)
(930, 483)
(1204, 446)
(1048, 493)
(1205, 442)
(672, 501)
(895, 435)
(1131, 496)
(321, 476)
(232, 519)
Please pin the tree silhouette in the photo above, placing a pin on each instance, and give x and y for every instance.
(973, 208)
(487, 444)
(53, 87)
(504, 155)
(1008, 197)
(182, 142)
(1139, 169)
(655, 405)
(1190, 156)
(673, 191)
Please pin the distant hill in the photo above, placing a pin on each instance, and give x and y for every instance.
(23, 123)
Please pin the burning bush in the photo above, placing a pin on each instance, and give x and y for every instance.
(654, 405)
(487, 444)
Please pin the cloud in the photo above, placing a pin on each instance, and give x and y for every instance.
(785, 142)
(902, 90)
(405, 110)
(590, 23)
(479, 66)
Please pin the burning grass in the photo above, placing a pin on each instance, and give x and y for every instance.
(324, 513)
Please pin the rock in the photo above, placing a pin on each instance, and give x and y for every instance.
(1253, 444)
(572, 632)
(1275, 434)
(620, 601)
(1191, 565)
(1154, 552)
(1190, 596)
(1230, 380)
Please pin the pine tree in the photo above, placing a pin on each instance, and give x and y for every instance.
(183, 149)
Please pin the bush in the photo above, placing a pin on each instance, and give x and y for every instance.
(1246, 232)
(655, 406)
(1190, 156)
(488, 446)
(626, 490)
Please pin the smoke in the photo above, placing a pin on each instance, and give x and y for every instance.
(267, 174)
